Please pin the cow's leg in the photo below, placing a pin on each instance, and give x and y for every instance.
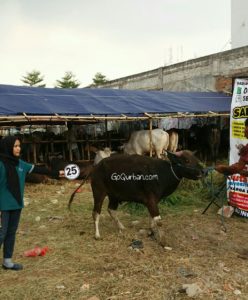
(157, 230)
(155, 220)
(99, 195)
(152, 206)
(96, 218)
(158, 152)
(112, 209)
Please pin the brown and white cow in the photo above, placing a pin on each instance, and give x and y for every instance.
(141, 179)
(139, 142)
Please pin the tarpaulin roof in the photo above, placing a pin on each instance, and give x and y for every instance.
(85, 101)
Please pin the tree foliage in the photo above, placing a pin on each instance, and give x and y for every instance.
(33, 78)
(68, 81)
(99, 79)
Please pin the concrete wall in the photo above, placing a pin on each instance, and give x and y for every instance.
(209, 73)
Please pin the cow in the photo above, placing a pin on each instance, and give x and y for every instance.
(213, 138)
(37, 178)
(141, 179)
(208, 142)
(205, 140)
(101, 154)
(139, 142)
(173, 140)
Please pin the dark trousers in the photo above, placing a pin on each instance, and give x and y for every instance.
(8, 227)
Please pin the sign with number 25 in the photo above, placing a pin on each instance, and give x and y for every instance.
(72, 171)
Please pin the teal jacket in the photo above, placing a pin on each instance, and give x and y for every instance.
(7, 201)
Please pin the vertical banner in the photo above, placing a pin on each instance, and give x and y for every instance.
(238, 184)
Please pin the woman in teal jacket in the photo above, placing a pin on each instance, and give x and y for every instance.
(13, 171)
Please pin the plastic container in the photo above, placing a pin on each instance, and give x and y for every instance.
(36, 251)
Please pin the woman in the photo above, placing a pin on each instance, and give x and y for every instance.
(13, 171)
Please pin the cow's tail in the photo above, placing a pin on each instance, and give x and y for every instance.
(82, 183)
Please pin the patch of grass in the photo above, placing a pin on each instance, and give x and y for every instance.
(79, 267)
(134, 208)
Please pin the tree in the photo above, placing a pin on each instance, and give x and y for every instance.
(33, 78)
(99, 79)
(68, 81)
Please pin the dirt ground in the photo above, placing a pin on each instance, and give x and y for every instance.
(200, 260)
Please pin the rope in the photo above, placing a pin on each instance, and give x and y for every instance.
(173, 172)
(215, 194)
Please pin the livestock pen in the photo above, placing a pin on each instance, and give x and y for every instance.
(26, 106)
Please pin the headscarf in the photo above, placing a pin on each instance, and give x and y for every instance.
(10, 162)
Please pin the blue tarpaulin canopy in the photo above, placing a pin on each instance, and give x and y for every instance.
(33, 101)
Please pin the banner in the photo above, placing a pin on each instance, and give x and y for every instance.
(238, 184)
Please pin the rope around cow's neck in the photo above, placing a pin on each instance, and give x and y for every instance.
(173, 172)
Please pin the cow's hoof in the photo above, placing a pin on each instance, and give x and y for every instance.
(162, 240)
(120, 232)
(159, 235)
(97, 238)
(159, 223)
(121, 227)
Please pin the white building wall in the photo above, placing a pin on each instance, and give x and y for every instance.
(209, 73)
(239, 23)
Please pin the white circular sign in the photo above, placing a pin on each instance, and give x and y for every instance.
(72, 171)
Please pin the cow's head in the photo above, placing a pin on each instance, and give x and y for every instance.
(185, 164)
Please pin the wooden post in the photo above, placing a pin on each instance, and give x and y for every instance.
(46, 152)
(150, 132)
(28, 152)
(107, 143)
(70, 152)
(69, 144)
(88, 150)
(34, 153)
(63, 151)
(52, 147)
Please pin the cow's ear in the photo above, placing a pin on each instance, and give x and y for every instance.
(169, 154)
(178, 153)
(172, 156)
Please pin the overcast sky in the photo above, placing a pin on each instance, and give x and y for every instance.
(115, 37)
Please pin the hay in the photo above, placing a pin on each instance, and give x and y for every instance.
(79, 267)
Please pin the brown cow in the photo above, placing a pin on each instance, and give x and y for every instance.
(139, 179)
